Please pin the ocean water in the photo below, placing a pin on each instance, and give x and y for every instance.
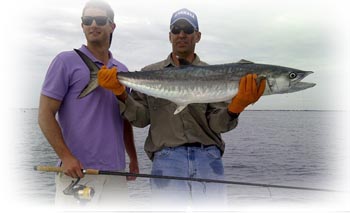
(295, 148)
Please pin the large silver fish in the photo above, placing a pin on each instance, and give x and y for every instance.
(207, 84)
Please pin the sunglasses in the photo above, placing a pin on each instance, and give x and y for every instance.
(100, 20)
(177, 29)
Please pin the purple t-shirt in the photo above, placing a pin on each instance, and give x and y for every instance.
(92, 126)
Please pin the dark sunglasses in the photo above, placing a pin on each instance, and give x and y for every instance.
(100, 20)
(177, 29)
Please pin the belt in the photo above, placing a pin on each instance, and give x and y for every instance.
(197, 144)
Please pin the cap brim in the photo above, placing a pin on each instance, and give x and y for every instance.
(178, 19)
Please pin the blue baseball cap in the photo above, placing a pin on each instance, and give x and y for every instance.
(185, 14)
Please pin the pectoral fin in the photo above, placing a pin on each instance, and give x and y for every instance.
(268, 90)
(179, 108)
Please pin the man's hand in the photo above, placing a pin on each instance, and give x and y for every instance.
(72, 167)
(107, 78)
(248, 93)
(133, 168)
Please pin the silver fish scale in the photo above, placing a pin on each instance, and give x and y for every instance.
(183, 86)
(195, 82)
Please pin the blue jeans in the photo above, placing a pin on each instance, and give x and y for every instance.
(196, 162)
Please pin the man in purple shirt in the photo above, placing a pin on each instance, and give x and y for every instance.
(88, 132)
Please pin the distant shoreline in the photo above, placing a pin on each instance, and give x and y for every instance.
(287, 110)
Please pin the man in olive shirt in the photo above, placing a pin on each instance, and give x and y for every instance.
(188, 144)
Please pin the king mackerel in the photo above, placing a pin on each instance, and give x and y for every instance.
(205, 84)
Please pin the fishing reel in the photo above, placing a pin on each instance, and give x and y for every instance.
(82, 193)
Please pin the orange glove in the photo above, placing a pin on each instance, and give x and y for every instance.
(248, 93)
(107, 78)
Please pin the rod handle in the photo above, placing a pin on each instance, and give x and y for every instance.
(60, 169)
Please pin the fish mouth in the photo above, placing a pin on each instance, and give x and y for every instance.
(299, 85)
(295, 85)
(306, 73)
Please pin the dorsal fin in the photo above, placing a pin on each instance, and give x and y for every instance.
(243, 61)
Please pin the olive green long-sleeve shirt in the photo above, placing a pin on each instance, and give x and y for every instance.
(201, 123)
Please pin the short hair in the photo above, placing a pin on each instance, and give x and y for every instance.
(100, 5)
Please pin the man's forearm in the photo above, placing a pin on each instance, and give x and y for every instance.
(129, 141)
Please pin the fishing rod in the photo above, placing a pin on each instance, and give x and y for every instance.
(127, 174)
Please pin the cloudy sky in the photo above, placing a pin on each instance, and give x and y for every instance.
(308, 35)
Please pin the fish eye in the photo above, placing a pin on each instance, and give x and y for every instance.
(292, 75)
